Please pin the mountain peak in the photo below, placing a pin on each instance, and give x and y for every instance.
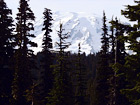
(83, 28)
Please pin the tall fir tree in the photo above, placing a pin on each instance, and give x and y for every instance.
(24, 56)
(112, 78)
(47, 55)
(61, 93)
(103, 70)
(132, 73)
(117, 80)
(6, 53)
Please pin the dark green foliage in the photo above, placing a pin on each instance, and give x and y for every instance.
(88, 67)
(120, 30)
(88, 62)
(103, 70)
(104, 39)
(117, 78)
(47, 78)
(24, 56)
(6, 53)
(132, 61)
(80, 96)
(47, 41)
(61, 93)
(91, 66)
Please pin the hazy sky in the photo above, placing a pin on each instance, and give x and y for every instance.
(111, 7)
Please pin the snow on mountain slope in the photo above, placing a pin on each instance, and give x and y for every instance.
(83, 28)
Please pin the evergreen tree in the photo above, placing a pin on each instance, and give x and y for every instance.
(81, 80)
(103, 70)
(24, 56)
(104, 39)
(61, 93)
(117, 77)
(6, 53)
(47, 41)
(132, 67)
(112, 78)
(47, 58)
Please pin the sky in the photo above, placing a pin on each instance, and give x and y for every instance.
(111, 7)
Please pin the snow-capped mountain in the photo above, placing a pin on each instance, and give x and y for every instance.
(83, 28)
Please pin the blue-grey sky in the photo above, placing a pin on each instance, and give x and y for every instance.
(111, 7)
